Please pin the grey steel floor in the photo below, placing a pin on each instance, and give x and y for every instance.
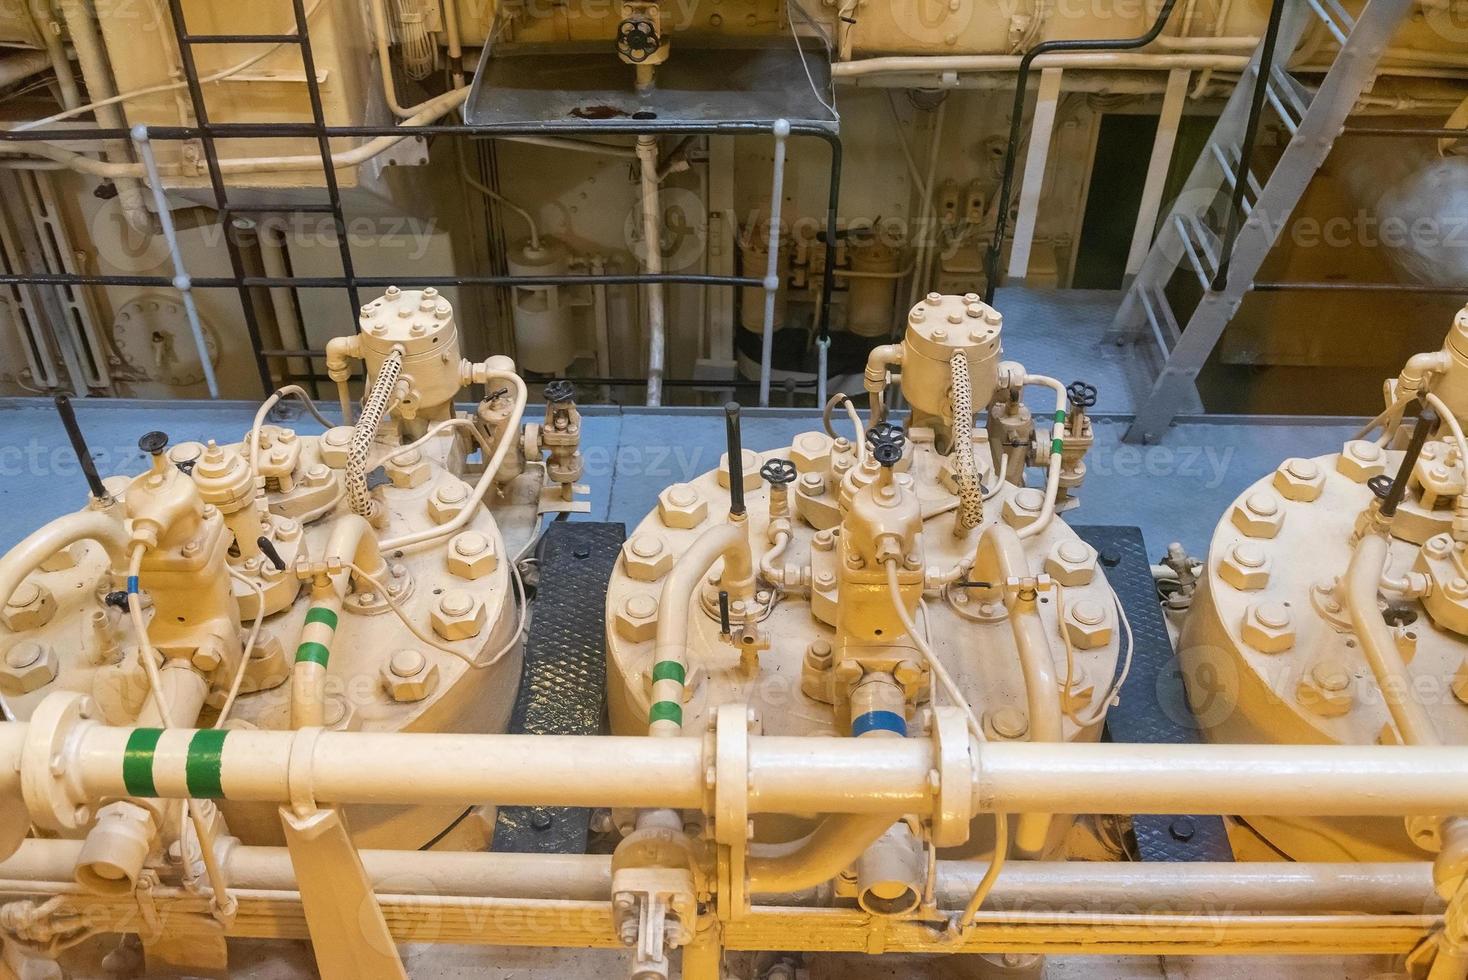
(1175, 490)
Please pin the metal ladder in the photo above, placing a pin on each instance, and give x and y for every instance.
(228, 213)
(1226, 246)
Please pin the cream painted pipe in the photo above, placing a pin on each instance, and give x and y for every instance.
(1222, 887)
(1278, 780)
(1363, 577)
(835, 845)
(657, 341)
(1002, 62)
(1000, 557)
(352, 542)
(787, 774)
(1194, 888)
(729, 542)
(88, 525)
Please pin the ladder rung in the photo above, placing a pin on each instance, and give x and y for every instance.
(1278, 100)
(242, 38)
(1227, 166)
(1290, 89)
(1335, 18)
(1205, 241)
(281, 208)
(1159, 317)
(1190, 248)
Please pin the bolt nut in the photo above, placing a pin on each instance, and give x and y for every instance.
(1071, 563)
(1360, 460)
(1022, 508)
(636, 619)
(459, 615)
(811, 452)
(818, 656)
(30, 607)
(448, 501)
(1088, 624)
(1007, 723)
(1299, 479)
(1246, 567)
(646, 557)
(407, 470)
(1081, 693)
(335, 446)
(408, 676)
(28, 666)
(1259, 515)
(681, 506)
(472, 555)
(1268, 627)
(1326, 689)
(752, 479)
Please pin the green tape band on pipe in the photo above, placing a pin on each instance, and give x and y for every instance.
(137, 761)
(669, 670)
(205, 760)
(666, 711)
(320, 614)
(315, 653)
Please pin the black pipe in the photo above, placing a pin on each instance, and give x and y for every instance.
(1265, 70)
(403, 282)
(1426, 422)
(1016, 117)
(1431, 289)
(736, 459)
(79, 446)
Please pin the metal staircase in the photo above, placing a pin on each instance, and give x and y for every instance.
(1225, 221)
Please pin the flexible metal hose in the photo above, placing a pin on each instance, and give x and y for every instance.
(965, 471)
(365, 434)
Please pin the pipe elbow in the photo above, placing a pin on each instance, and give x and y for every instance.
(340, 353)
(61, 533)
(879, 362)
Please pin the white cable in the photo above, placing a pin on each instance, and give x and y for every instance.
(800, 51)
(239, 674)
(470, 659)
(289, 391)
(1104, 704)
(138, 93)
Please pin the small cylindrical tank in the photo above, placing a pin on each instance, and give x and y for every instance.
(545, 330)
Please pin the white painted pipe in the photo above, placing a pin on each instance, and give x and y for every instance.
(47, 541)
(181, 280)
(902, 64)
(834, 846)
(772, 264)
(652, 242)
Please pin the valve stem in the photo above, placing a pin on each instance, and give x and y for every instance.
(83, 454)
(736, 460)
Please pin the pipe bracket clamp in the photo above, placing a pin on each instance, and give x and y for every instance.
(730, 772)
(953, 798)
(300, 786)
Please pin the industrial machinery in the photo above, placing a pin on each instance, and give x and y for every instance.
(363, 579)
(1331, 607)
(842, 585)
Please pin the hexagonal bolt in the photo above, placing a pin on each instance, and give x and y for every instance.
(28, 666)
(1246, 566)
(1071, 563)
(752, 478)
(1268, 627)
(1299, 479)
(646, 558)
(407, 470)
(1326, 689)
(408, 676)
(459, 615)
(30, 607)
(811, 452)
(1259, 515)
(1007, 723)
(1023, 508)
(681, 506)
(1081, 693)
(1088, 624)
(448, 501)
(1360, 460)
(472, 555)
(637, 618)
(818, 655)
(335, 446)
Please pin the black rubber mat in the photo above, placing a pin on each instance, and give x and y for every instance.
(563, 686)
(1153, 706)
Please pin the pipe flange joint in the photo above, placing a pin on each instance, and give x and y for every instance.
(731, 775)
(953, 796)
(53, 789)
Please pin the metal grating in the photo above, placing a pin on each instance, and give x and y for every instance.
(563, 686)
(1153, 706)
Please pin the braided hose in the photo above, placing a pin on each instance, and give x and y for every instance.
(364, 434)
(965, 471)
